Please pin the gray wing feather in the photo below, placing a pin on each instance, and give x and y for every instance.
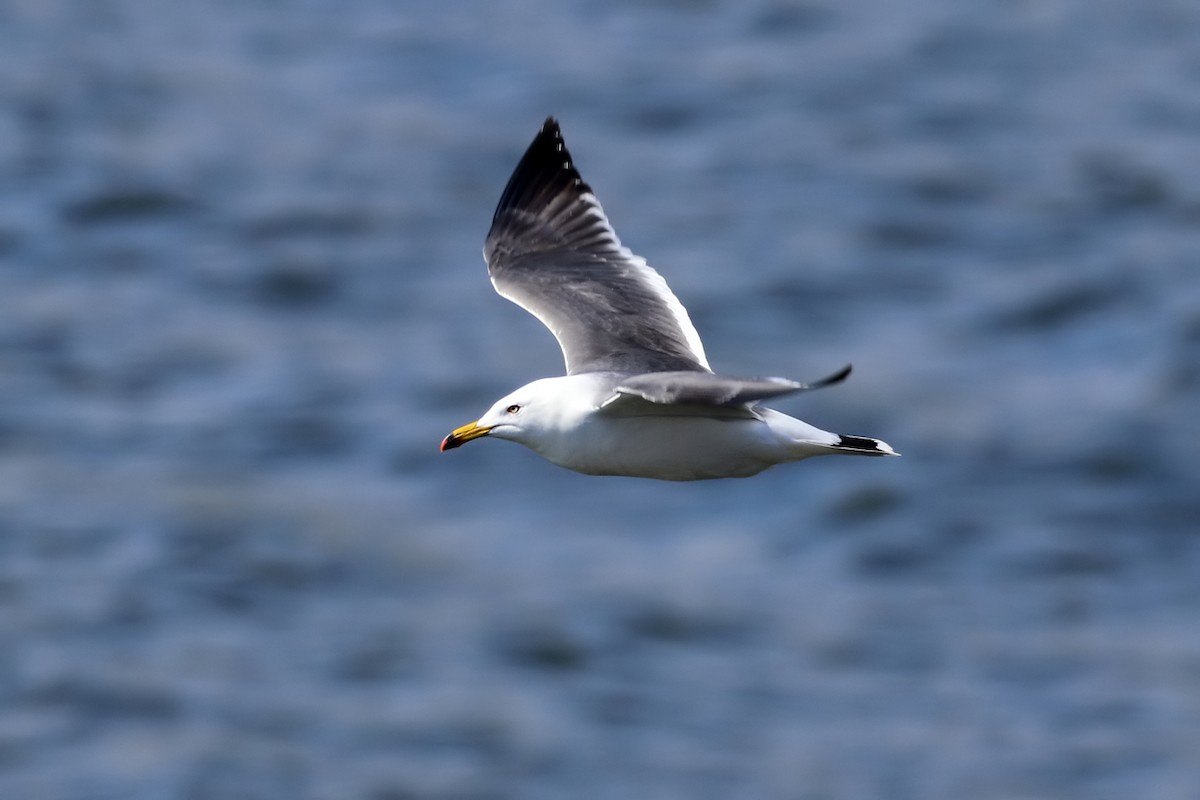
(552, 251)
(706, 389)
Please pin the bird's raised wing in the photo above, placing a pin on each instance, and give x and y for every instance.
(552, 251)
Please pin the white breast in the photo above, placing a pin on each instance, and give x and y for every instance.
(669, 448)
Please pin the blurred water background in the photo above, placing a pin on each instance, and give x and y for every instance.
(242, 300)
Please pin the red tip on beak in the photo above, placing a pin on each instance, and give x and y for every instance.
(460, 436)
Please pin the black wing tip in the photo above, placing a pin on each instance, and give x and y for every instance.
(549, 149)
(864, 445)
(543, 173)
(829, 380)
(836, 377)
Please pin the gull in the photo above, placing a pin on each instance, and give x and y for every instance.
(639, 398)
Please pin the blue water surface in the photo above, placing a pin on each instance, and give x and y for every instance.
(242, 300)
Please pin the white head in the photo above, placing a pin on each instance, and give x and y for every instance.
(532, 415)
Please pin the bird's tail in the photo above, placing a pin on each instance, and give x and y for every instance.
(806, 440)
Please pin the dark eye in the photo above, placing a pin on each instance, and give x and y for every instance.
(514, 408)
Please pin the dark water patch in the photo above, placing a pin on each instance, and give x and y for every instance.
(64, 359)
(823, 304)
(1083, 560)
(895, 646)
(1183, 376)
(130, 608)
(125, 257)
(1118, 465)
(795, 294)
(664, 118)
(461, 789)
(682, 7)
(1114, 183)
(142, 376)
(1187, 213)
(620, 707)
(891, 552)
(306, 433)
(1124, 530)
(311, 418)
(1103, 764)
(13, 588)
(10, 240)
(297, 281)
(957, 121)
(1032, 668)
(1189, 333)
(1175, 518)
(72, 540)
(1061, 306)
(787, 19)
(240, 768)
(894, 559)
(413, 460)
(961, 533)
(664, 622)
(454, 730)
(126, 204)
(95, 698)
(1184, 373)
(864, 504)
(236, 560)
(379, 657)
(1132, 452)
(269, 718)
(545, 648)
(309, 222)
(73, 375)
(952, 186)
(1100, 712)
(37, 339)
(965, 47)
(908, 234)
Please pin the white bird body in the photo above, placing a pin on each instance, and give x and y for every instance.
(639, 398)
(686, 448)
(566, 421)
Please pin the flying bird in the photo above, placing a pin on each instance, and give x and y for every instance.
(639, 398)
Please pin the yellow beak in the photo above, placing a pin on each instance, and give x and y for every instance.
(460, 436)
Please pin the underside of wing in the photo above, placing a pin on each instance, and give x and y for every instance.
(552, 251)
(702, 389)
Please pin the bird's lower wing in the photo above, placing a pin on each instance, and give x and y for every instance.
(702, 392)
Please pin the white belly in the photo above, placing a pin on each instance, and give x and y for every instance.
(683, 448)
